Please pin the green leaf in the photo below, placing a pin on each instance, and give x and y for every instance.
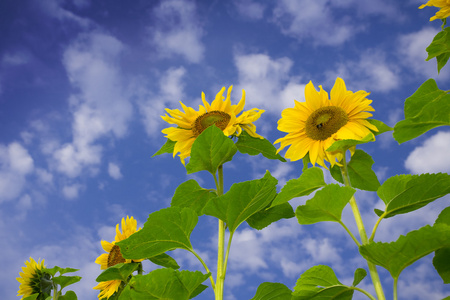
(118, 272)
(166, 148)
(360, 172)
(69, 295)
(242, 201)
(320, 282)
(190, 194)
(360, 274)
(405, 193)
(311, 180)
(265, 217)
(253, 146)
(344, 145)
(440, 48)
(326, 205)
(165, 230)
(272, 291)
(396, 256)
(31, 297)
(164, 260)
(382, 128)
(444, 217)
(64, 281)
(440, 260)
(426, 109)
(61, 271)
(164, 284)
(210, 150)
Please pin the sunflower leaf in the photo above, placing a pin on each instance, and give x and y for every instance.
(426, 109)
(311, 180)
(360, 274)
(118, 272)
(31, 297)
(326, 205)
(440, 260)
(64, 281)
(440, 48)
(264, 218)
(165, 230)
(69, 295)
(271, 291)
(166, 148)
(405, 193)
(253, 146)
(360, 172)
(344, 145)
(190, 194)
(164, 260)
(382, 128)
(165, 284)
(397, 255)
(321, 282)
(242, 201)
(210, 150)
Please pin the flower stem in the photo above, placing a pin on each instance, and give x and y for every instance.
(221, 244)
(362, 232)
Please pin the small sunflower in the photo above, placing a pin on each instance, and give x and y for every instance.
(220, 112)
(30, 278)
(314, 125)
(114, 256)
(444, 6)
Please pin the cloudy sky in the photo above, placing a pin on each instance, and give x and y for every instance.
(83, 84)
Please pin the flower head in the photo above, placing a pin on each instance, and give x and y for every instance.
(191, 123)
(444, 6)
(30, 278)
(114, 256)
(314, 125)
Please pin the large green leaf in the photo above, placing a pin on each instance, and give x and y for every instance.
(440, 48)
(405, 193)
(360, 172)
(166, 148)
(69, 295)
(210, 150)
(118, 272)
(191, 194)
(311, 180)
(320, 282)
(440, 260)
(264, 218)
(165, 230)
(242, 201)
(164, 284)
(64, 281)
(426, 109)
(272, 291)
(164, 260)
(253, 146)
(326, 205)
(396, 256)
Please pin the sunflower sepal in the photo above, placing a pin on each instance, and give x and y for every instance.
(119, 271)
(381, 127)
(344, 145)
(247, 144)
(166, 148)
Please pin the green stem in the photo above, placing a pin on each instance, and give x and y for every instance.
(372, 236)
(362, 232)
(213, 285)
(227, 253)
(364, 292)
(350, 233)
(395, 288)
(220, 278)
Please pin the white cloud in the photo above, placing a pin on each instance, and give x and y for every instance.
(176, 30)
(114, 171)
(54, 9)
(15, 164)
(250, 9)
(432, 156)
(72, 191)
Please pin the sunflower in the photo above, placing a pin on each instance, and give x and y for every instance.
(314, 125)
(30, 278)
(114, 256)
(220, 112)
(444, 6)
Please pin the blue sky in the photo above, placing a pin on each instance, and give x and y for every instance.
(82, 87)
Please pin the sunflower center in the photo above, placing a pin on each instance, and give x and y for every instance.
(115, 257)
(325, 121)
(217, 117)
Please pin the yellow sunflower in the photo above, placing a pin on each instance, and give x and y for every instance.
(220, 112)
(314, 125)
(30, 278)
(114, 256)
(444, 6)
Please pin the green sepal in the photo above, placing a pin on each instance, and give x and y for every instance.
(242, 201)
(166, 148)
(397, 255)
(118, 272)
(344, 145)
(264, 218)
(164, 260)
(426, 109)
(247, 144)
(64, 281)
(69, 295)
(326, 205)
(382, 128)
(360, 172)
(167, 229)
(210, 150)
(440, 48)
(310, 180)
(45, 283)
(305, 160)
(272, 291)
(440, 260)
(405, 193)
(191, 194)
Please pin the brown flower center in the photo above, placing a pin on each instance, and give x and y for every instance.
(217, 117)
(325, 121)
(115, 257)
